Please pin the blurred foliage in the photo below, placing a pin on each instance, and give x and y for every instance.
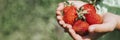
(30, 20)
(33, 20)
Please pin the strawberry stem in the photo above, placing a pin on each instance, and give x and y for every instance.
(67, 3)
(94, 2)
(81, 14)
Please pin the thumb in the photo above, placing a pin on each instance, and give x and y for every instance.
(101, 28)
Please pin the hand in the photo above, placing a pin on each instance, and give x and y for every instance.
(60, 8)
(110, 22)
(108, 25)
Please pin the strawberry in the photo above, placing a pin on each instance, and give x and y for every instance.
(85, 19)
(81, 27)
(93, 19)
(89, 8)
(69, 14)
(91, 16)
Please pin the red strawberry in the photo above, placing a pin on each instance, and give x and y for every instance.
(90, 8)
(93, 19)
(91, 16)
(81, 27)
(70, 14)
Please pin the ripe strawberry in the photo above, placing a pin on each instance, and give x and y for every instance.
(90, 8)
(70, 14)
(81, 27)
(93, 19)
(91, 16)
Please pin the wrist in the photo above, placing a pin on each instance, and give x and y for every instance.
(118, 24)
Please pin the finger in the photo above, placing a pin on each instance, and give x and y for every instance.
(59, 9)
(69, 26)
(108, 25)
(60, 6)
(102, 28)
(65, 25)
(72, 32)
(59, 18)
(62, 23)
(86, 38)
(74, 35)
(59, 14)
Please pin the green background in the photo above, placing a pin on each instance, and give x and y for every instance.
(36, 20)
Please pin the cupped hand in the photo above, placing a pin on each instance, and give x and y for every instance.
(60, 8)
(109, 23)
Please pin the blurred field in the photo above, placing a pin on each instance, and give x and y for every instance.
(35, 20)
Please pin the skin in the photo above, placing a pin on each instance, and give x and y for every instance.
(110, 22)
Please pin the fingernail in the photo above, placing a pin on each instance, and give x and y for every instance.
(59, 17)
(64, 25)
(91, 29)
(61, 22)
(58, 13)
(69, 26)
